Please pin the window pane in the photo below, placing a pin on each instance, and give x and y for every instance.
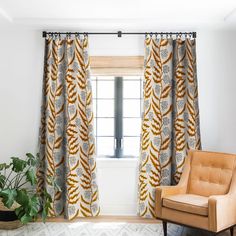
(94, 126)
(105, 89)
(131, 146)
(131, 89)
(132, 126)
(131, 108)
(105, 126)
(94, 88)
(105, 146)
(105, 108)
(94, 107)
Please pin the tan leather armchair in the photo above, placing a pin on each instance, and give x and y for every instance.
(205, 197)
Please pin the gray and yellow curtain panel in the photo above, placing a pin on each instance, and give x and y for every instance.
(170, 125)
(66, 136)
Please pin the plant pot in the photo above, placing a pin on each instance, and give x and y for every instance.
(8, 218)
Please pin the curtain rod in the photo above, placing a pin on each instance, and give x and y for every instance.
(120, 33)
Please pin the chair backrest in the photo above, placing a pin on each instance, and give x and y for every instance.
(210, 173)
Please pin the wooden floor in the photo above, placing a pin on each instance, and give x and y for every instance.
(99, 219)
(173, 230)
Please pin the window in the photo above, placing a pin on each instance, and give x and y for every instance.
(117, 102)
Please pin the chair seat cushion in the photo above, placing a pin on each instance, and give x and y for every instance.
(190, 203)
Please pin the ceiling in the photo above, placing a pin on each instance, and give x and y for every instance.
(118, 14)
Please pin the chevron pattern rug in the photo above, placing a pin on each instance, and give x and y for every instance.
(102, 229)
(90, 229)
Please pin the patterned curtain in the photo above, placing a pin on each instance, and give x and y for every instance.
(170, 125)
(66, 135)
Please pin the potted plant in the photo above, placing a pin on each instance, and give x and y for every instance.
(19, 201)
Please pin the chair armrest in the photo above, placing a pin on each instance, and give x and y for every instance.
(164, 191)
(221, 211)
(180, 188)
(222, 208)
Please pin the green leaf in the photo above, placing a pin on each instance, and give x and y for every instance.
(22, 197)
(31, 176)
(30, 155)
(8, 197)
(18, 164)
(32, 160)
(44, 214)
(51, 180)
(34, 206)
(25, 219)
(2, 181)
(4, 166)
(19, 211)
(47, 196)
(34, 209)
(30, 204)
(46, 206)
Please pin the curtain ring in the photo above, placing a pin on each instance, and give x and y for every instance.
(68, 35)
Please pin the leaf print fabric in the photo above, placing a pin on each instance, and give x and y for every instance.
(170, 123)
(67, 147)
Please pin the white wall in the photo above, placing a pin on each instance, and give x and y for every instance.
(21, 61)
(216, 57)
(21, 66)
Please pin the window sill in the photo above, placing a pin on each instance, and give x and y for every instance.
(106, 162)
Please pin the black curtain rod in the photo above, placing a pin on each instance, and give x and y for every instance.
(119, 33)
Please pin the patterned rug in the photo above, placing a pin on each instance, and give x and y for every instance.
(90, 229)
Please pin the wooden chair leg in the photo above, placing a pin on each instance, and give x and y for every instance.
(232, 231)
(164, 224)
